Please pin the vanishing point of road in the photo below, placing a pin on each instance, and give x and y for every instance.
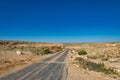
(51, 68)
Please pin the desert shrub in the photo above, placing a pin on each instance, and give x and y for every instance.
(82, 52)
(47, 51)
(36, 51)
(108, 71)
(40, 51)
(95, 66)
(99, 67)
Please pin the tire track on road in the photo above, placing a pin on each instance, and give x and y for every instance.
(19, 75)
(62, 57)
(51, 68)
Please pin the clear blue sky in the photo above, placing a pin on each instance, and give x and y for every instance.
(60, 20)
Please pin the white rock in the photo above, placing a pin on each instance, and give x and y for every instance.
(118, 70)
(18, 52)
(77, 65)
(118, 66)
(27, 53)
(113, 60)
(94, 53)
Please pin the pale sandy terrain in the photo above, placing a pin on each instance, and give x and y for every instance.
(107, 53)
(77, 73)
(11, 61)
(17, 64)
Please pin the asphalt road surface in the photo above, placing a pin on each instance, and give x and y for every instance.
(51, 68)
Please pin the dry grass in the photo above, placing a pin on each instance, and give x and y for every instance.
(10, 60)
(106, 53)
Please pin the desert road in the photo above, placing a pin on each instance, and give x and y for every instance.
(51, 68)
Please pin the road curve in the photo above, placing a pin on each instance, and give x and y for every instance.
(51, 68)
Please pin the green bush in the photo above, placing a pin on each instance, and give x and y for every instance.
(82, 52)
(40, 51)
(100, 68)
(47, 51)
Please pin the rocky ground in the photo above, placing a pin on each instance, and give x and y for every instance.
(105, 53)
(12, 62)
(15, 55)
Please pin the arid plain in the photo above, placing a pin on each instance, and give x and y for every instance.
(101, 60)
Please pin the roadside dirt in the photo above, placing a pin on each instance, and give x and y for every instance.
(17, 62)
(77, 73)
(15, 55)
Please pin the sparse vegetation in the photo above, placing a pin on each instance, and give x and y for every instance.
(14, 53)
(36, 51)
(99, 67)
(47, 51)
(101, 57)
(36, 48)
(82, 52)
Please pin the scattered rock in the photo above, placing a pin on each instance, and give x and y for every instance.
(84, 57)
(113, 60)
(18, 52)
(27, 53)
